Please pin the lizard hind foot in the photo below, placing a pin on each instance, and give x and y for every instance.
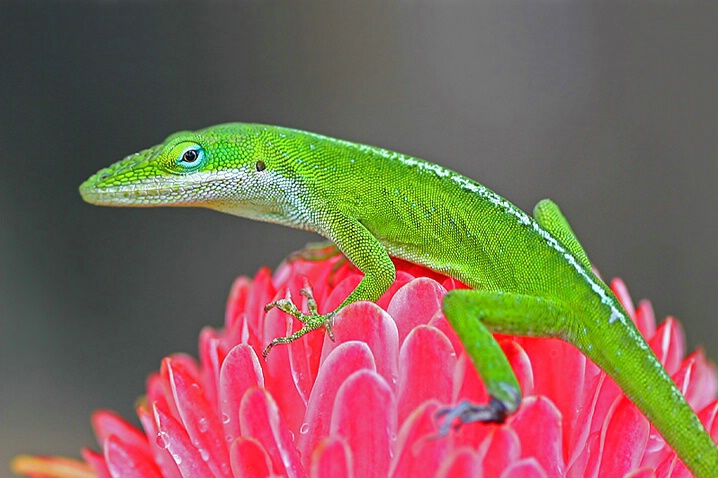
(466, 412)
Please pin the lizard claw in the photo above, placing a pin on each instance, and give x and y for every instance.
(286, 305)
(466, 412)
(311, 302)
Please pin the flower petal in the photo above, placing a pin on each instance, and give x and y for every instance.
(672, 467)
(211, 355)
(708, 416)
(322, 275)
(646, 319)
(402, 278)
(525, 468)
(350, 281)
(621, 291)
(260, 294)
(366, 322)
(426, 364)
(419, 453)
(332, 458)
(158, 391)
(97, 462)
(668, 344)
(249, 459)
(697, 380)
(623, 440)
(539, 413)
(237, 301)
(278, 382)
(641, 473)
(260, 418)
(126, 461)
(366, 394)
(341, 291)
(544, 354)
(189, 364)
(108, 423)
(173, 437)
(439, 321)
(198, 416)
(415, 304)
(463, 463)
(499, 450)
(342, 362)
(520, 364)
(240, 371)
(158, 447)
(50, 467)
(302, 357)
(584, 442)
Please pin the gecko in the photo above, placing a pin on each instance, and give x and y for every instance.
(528, 275)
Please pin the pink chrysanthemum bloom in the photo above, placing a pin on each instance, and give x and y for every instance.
(364, 406)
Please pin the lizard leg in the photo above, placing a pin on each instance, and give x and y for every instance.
(550, 217)
(475, 315)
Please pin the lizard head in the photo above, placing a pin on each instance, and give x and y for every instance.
(201, 168)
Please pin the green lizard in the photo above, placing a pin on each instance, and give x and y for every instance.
(530, 275)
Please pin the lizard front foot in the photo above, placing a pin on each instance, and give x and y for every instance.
(312, 321)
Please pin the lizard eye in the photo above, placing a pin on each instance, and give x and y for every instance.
(190, 157)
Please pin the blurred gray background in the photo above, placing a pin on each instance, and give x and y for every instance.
(610, 109)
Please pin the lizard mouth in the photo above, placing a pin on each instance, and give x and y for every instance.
(136, 195)
(154, 191)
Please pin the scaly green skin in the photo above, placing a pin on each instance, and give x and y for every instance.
(531, 276)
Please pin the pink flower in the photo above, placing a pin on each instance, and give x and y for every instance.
(364, 406)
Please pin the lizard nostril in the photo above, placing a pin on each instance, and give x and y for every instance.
(105, 176)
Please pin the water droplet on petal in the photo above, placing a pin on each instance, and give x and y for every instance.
(304, 428)
(177, 458)
(226, 418)
(204, 454)
(203, 424)
(228, 438)
(163, 440)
